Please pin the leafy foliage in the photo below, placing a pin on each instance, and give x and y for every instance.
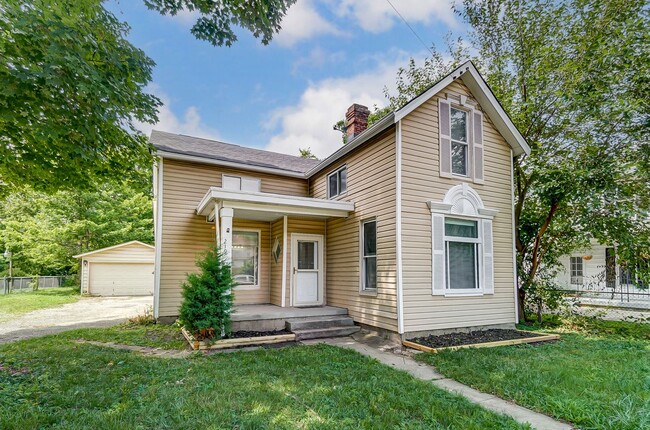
(573, 77)
(217, 18)
(71, 92)
(45, 231)
(207, 297)
(306, 153)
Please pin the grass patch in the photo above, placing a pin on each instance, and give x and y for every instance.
(54, 382)
(155, 336)
(16, 304)
(596, 377)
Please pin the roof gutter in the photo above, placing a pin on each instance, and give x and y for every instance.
(205, 160)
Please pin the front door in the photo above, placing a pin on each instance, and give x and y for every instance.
(307, 268)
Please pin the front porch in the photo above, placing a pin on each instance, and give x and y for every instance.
(276, 247)
(267, 317)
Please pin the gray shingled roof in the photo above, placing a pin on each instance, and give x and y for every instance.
(213, 149)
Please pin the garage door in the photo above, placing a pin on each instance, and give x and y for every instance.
(121, 279)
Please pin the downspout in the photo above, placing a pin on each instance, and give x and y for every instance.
(398, 232)
(514, 235)
(158, 208)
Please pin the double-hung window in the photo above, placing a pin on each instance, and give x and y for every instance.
(459, 142)
(462, 248)
(576, 271)
(337, 182)
(369, 255)
(246, 258)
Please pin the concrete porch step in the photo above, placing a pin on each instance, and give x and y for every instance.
(319, 333)
(319, 322)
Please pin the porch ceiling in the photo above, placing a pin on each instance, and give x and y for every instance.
(267, 206)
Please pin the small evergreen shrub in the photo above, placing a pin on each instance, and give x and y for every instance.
(207, 297)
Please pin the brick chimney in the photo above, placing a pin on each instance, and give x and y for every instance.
(356, 120)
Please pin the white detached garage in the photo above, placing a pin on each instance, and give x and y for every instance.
(120, 270)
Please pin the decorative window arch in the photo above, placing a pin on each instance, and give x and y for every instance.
(461, 238)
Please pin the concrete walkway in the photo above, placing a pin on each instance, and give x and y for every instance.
(87, 312)
(386, 352)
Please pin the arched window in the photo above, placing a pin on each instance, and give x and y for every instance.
(461, 237)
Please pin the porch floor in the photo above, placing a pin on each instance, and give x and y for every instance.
(273, 312)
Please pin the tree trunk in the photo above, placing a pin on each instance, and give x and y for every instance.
(522, 299)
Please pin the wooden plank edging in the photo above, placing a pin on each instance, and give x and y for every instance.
(234, 343)
(543, 338)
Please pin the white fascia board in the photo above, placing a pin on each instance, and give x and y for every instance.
(373, 131)
(274, 202)
(495, 111)
(113, 247)
(204, 160)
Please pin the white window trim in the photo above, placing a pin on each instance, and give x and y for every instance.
(582, 270)
(479, 257)
(469, 115)
(362, 281)
(241, 182)
(259, 258)
(453, 206)
(336, 172)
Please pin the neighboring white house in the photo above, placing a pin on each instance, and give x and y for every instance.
(120, 270)
(595, 269)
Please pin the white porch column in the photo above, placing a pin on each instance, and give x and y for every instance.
(226, 233)
(217, 230)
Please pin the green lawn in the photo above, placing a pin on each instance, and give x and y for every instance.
(155, 336)
(596, 377)
(56, 383)
(15, 304)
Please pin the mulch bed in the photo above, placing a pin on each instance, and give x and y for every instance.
(243, 333)
(479, 336)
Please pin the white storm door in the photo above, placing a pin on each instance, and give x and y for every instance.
(307, 252)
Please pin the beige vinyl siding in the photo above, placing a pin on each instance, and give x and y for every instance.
(421, 183)
(301, 226)
(371, 186)
(277, 230)
(244, 296)
(185, 234)
(134, 253)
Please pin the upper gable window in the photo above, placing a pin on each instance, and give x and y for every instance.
(240, 183)
(337, 182)
(459, 142)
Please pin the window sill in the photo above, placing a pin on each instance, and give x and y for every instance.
(371, 293)
(246, 287)
(464, 293)
(338, 196)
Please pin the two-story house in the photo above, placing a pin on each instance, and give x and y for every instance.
(408, 228)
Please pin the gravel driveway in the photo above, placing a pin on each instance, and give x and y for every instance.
(87, 312)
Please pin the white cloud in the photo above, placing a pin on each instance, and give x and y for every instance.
(303, 22)
(317, 58)
(190, 123)
(309, 122)
(377, 16)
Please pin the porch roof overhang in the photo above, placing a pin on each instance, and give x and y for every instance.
(269, 205)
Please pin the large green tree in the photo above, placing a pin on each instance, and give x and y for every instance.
(574, 77)
(44, 231)
(216, 18)
(71, 93)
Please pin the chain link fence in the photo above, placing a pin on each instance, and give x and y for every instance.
(620, 297)
(25, 283)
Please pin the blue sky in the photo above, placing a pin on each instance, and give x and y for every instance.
(287, 95)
